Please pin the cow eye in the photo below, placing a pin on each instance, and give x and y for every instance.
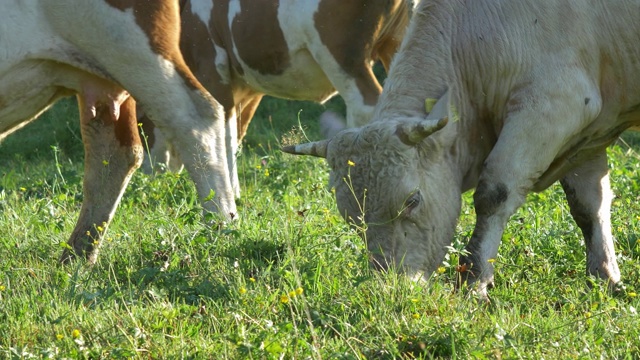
(413, 201)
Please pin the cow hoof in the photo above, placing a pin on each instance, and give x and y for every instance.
(67, 257)
(70, 255)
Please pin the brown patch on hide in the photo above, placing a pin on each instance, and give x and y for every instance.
(126, 128)
(160, 21)
(348, 28)
(258, 37)
(199, 52)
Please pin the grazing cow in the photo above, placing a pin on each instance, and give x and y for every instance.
(103, 51)
(304, 50)
(534, 92)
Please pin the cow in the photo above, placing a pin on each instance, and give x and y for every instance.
(241, 50)
(107, 52)
(506, 97)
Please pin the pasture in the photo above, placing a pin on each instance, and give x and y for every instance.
(289, 279)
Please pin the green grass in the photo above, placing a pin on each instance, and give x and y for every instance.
(289, 279)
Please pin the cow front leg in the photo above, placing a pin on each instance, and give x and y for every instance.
(113, 151)
(495, 201)
(589, 196)
(540, 118)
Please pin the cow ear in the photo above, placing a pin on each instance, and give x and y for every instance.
(316, 148)
(411, 133)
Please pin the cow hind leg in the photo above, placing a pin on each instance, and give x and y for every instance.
(113, 151)
(589, 195)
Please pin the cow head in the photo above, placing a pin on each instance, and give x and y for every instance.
(386, 181)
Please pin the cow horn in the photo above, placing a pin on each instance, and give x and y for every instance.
(413, 133)
(316, 148)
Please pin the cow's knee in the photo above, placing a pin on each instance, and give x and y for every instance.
(489, 196)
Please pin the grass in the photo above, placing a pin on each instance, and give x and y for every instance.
(290, 279)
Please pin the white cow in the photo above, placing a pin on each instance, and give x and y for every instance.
(103, 51)
(534, 92)
(301, 50)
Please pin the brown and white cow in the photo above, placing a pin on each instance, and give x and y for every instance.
(534, 92)
(104, 51)
(241, 50)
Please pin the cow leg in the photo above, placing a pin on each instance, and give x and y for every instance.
(537, 125)
(113, 151)
(231, 142)
(155, 146)
(247, 109)
(236, 128)
(589, 196)
(150, 66)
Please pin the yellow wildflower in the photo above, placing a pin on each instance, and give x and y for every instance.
(351, 163)
(242, 290)
(441, 270)
(59, 336)
(299, 291)
(491, 261)
(284, 299)
(75, 333)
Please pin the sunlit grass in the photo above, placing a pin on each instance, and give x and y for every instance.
(289, 279)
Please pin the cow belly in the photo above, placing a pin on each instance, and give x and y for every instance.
(26, 90)
(303, 80)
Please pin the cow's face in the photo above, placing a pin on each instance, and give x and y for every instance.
(389, 185)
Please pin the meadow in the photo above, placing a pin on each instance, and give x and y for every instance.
(289, 279)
